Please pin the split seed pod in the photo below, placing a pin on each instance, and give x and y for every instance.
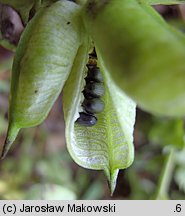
(101, 141)
(52, 46)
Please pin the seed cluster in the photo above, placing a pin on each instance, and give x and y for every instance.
(93, 91)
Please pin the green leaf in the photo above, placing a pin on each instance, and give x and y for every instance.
(108, 145)
(165, 2)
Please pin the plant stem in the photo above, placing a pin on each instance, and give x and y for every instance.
(166, 176)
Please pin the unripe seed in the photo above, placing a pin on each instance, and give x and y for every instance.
(94, 74)
(93, 89)
(93, 105)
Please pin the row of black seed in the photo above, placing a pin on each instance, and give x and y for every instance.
(92, 92)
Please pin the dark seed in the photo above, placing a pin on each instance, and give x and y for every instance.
(93, 55)
(86, 119)
(94, 74)
(93, 105)
(93, 90)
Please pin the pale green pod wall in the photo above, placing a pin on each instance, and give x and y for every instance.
(144, 55)
(42, 64)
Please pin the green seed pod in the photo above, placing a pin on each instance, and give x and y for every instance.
(102, 141)
(144, 55)
(42, 63)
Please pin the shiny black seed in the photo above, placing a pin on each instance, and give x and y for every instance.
(86, 119)
(93, 90)
(94, 105)
(94, 74)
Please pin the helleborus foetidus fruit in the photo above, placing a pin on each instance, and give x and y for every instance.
(136, 48)
(53, 51)
(144, 55)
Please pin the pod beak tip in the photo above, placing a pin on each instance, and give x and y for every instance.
(5, 149)
(2, 156)
(11, 136)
